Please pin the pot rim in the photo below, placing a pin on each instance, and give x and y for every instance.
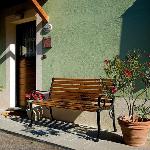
(126, 122)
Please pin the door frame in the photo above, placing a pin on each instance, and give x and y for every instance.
(10, 25)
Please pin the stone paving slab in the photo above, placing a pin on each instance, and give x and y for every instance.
(66, 134)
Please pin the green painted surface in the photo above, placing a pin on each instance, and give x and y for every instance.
(2, 56)
(85, 33)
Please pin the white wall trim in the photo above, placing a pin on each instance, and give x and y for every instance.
(38, 52)
(10, 62)
(12, 76)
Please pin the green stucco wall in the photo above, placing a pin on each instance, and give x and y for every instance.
(2, 56)
(85, 32)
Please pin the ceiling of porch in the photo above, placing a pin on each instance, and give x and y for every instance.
(11, 3)
(25, 4)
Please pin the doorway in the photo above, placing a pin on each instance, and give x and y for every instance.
(25, 61)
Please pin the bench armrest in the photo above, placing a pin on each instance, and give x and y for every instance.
(103, 99)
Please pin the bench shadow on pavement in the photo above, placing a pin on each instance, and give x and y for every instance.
(57, 128)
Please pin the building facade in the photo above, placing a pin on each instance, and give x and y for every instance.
(83, 33)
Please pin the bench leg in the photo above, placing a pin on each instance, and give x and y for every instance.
(98, 125)
(31, 119)
(51, 113)
(112, 115)
(114, 124)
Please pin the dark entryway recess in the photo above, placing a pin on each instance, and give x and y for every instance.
(25, 61)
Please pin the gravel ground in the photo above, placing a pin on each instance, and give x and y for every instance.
(17, 142)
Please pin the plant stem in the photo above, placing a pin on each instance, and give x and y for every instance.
(139, 95)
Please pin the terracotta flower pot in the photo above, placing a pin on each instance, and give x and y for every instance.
(134, 133)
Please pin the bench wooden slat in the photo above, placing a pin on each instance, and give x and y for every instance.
(77, 105)
(92, 97)
(81, 91)
(67, 82)
(77, 98)
(75, 79)
(77, 86)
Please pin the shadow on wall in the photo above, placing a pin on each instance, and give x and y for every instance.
(2, 36)
(42, 2)
(135, 32)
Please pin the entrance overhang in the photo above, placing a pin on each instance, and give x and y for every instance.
(40, 10)
(36, 4)
(9, 12)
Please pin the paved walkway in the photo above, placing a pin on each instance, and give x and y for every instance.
(9, 141)
(66, 134)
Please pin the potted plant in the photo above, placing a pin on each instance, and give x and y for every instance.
(34, 95)
(131, 77)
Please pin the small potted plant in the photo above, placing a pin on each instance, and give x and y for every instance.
(131, 77)
(34, 95)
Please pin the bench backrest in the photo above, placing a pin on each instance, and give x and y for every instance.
(79, 89)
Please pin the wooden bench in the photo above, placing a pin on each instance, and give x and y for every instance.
(80, 94)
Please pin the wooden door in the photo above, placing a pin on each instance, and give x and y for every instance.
(25, 60)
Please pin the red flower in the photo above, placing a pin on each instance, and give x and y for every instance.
(148, 64)
(106, 61)
(28, 96)
(114, 90)
(128, 73)
(35, 95)
(142, 74)
(146, 55)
